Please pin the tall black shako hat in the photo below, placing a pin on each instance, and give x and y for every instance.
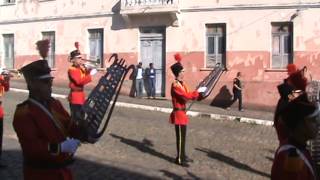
(177, 67)
(38, 69)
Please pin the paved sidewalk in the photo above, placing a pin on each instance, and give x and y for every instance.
(198, 109)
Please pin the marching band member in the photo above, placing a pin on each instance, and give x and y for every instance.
(4, 86)
(292, 159)
(180, 95)
(44, 128)
(79, 76)
(292, 87)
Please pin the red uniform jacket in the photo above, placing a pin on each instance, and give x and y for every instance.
(78, 78)
(289, 165)
(180, 94)
(4, 86)
(35, 131)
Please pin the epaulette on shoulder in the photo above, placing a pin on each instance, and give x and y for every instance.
(292, 161)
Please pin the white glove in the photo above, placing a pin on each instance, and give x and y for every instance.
(70, 145)
(93, 72)
(202, 89)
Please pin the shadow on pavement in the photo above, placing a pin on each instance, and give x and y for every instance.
(223, 98)
(82, 169)
(269, 158)
(144, 146)
(178, 177)
(171, 175)
(193, 176)
(230, 161)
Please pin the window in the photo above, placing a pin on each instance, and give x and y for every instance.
(8, 44)
(9, 1)
(51, 55)
(282, 45)
(96, 45)
(216, 44)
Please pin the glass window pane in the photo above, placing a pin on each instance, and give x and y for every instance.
(51, 54)
(287, 44)
(210, 45)
(8, 41)
(211, 60)
(276, 45)
(220, 45)
(95, 44)
(276, 62)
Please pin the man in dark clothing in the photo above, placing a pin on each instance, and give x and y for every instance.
(292, 159)
(292, 87)
(237, 91)
(151, 78)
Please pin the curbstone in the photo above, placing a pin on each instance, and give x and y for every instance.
(169, 110)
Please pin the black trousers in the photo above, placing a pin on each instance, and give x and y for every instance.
(237, 95)
(1, 135)
(77, 113)
(181, 131)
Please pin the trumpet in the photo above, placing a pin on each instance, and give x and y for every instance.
(95, 61)
(91, 64)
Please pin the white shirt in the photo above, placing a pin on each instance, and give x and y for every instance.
(139, 73)
(151, 72)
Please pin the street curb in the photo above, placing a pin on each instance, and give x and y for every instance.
(169, 110)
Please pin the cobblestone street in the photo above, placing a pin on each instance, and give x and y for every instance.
(141, 145)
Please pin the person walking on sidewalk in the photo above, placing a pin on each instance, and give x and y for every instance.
(180, 94)
(79, 76)
(237, 91)
(138, 75)
(151, 78)
(292, 159)
(43, 127)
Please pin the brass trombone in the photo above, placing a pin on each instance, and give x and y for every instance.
(90, 63)
(9, 72)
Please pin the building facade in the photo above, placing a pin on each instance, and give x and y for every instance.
(257, 38)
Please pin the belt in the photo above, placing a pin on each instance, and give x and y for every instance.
(179, 109)
(77, 90)
(48, 165)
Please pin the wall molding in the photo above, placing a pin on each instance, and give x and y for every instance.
(253, 7)
(185, 10)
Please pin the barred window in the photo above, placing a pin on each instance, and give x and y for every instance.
(216, 46)
(96, 45)
(282, 45)
(8, 44)
(8, 1)
(51, 55)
